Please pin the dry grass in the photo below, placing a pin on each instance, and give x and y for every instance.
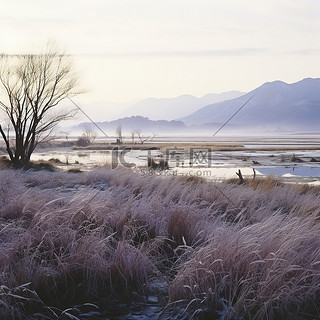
(247, 272)
(164, 146)
(261, 183)
(249, 251)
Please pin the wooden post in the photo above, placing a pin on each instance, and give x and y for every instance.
(239, 174)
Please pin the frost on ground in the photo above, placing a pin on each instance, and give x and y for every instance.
(196, 248)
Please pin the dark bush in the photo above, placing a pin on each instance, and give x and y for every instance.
(82, 142)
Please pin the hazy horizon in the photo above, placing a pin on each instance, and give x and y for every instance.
(131, 50)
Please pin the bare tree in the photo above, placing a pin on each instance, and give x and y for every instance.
(31, 86)
(119, 135)
(153, 136)
(89, 133)
(133, 134)
(142, 138)
(66, 133)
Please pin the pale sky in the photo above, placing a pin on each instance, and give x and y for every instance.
(133, 49)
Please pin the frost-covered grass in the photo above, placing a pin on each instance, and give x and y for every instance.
(248, 251)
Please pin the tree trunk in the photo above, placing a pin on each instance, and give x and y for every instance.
(7, 144)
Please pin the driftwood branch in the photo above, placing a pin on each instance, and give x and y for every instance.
(239, 174)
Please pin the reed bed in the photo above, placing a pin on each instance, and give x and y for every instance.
(225, 251)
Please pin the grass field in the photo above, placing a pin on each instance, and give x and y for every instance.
(221, 250)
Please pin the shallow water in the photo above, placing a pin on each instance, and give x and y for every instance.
(216, 165)
(123, 312)
(300, 171)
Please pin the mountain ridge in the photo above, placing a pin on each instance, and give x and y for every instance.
(135, 123)
(273, 105)
(172, 108)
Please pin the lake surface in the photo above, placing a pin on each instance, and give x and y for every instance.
(293, 165)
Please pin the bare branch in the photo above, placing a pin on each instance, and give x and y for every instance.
(32, 86)
(142, 138)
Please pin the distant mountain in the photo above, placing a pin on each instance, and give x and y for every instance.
(172, 108)
(274, 106)
(129, 124)
(104, 110)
